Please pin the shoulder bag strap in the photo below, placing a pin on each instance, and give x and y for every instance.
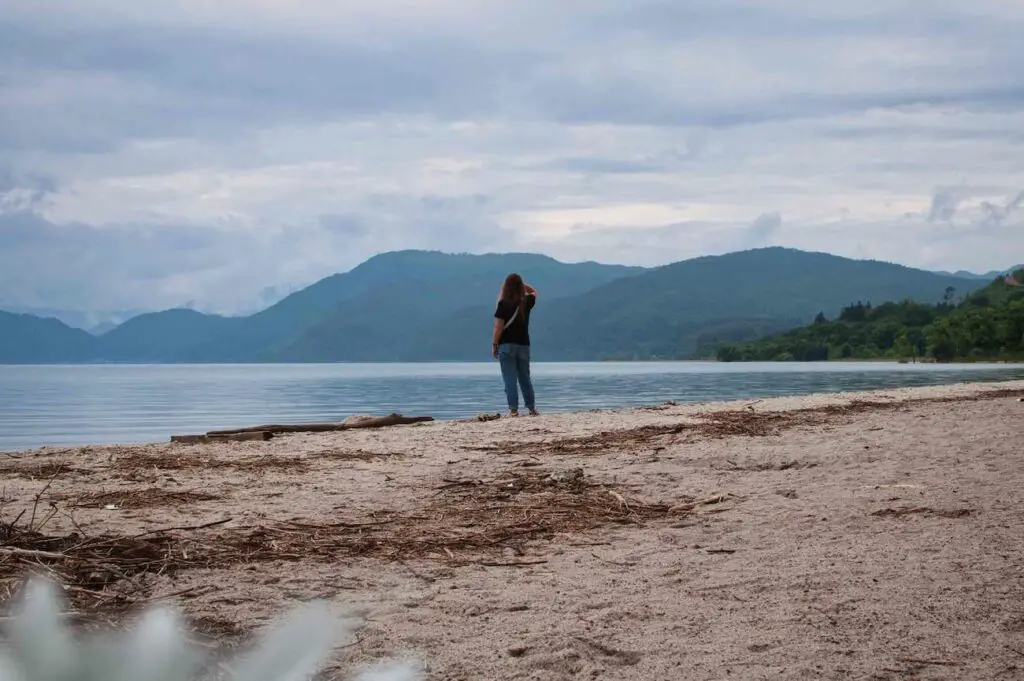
(512, 318)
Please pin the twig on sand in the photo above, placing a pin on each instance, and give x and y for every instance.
(204, 589)
(448, 484)
(936, 663)
(32, 553)
(710, 501)
(35, 502)
(524, 462)
(67, 613)
(416, 573)
(624, 656)
(612, 562)
(11, 525)
(518, 563)
(161, 530)
(620, 499)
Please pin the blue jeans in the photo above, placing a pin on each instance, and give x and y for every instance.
(515, 366)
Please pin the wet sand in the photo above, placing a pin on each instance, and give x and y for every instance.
(871, 536)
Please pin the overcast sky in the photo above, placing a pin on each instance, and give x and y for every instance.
(153, 154)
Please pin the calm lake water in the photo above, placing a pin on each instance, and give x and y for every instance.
(87, 404)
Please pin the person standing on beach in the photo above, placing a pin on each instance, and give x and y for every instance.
(511, 341)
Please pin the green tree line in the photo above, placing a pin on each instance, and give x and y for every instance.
(985, 325)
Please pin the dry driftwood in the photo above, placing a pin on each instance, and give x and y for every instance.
(373, 422)
(106, 574)
(207, 437)
(31, 553)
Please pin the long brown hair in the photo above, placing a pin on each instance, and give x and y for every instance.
(513, 293)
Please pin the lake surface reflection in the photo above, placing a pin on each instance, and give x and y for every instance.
(86, 404)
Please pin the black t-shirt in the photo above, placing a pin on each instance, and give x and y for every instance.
(519, 330)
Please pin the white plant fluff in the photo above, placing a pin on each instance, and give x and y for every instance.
(40, 648)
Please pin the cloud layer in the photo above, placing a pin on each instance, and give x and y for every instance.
(156, 155)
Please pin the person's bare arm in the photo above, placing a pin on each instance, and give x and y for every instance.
(499, 326)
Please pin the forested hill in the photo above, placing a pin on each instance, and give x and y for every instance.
(671, 311)
(986, 324)
(665, 312)
(430, 306)
(27, 339)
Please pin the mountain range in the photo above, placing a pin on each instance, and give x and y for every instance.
(427, 306)
(987, 276)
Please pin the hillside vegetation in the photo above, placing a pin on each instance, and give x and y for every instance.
(986, 324)
(671, 311)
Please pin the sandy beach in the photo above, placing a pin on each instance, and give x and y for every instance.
(872, 535)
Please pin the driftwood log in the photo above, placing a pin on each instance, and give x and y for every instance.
(206, 437)
(370, 422)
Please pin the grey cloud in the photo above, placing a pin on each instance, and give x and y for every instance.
(994, 215)
(900, 240)
(944, 133)
(440, 204)
(764, 228)
(644, 246)
(345, 226)
(24, 192)
(677, 19)
(695, 146)
(7, 181)
(159, 81)
(453, 223)
(661, 161)
(944, 204)
(948, 201)
(40, 184)
(85, 267)
(154, 266)
(584, 164)
(43, 184)
(50, 258)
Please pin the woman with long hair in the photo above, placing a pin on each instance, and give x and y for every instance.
(511, 341)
